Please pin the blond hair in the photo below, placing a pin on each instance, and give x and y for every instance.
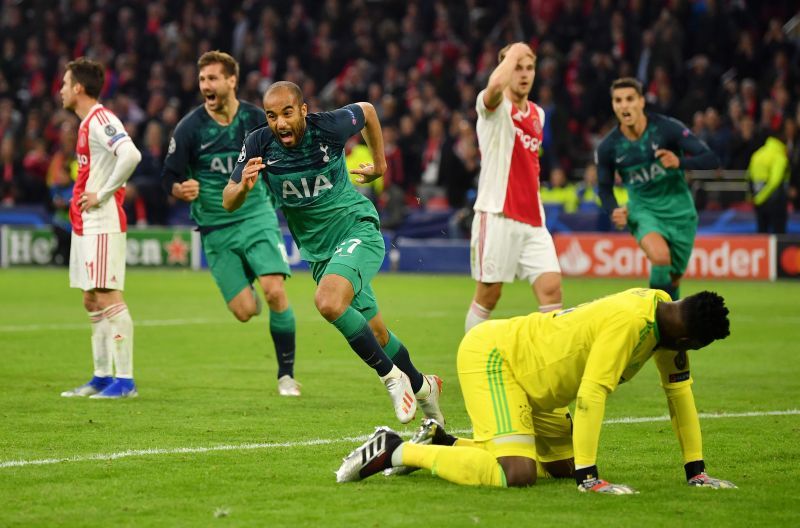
(502, 54)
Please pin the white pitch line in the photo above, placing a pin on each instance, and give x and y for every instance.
(704, 416)
(326, 441)
(85, 326)
(168, 322)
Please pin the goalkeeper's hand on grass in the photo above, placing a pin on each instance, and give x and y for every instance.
(597, 485)
(588, 481)
(704, 481)
(696, 476)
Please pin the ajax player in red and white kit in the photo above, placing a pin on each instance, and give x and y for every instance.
(106, 158)
(509, 237)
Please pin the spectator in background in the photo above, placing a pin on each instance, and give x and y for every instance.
(10, 172)
(589, 196)
(145, 200)
(768, 174)
(61, 175)
(586, 190)
(411, 145)
(743, 144)
(432, 152)
(62, 179)
(559, 192)
(792, 136)
(718, 136)
(555, 134)
(392, 201)
(460, 162)
(432, 57)
(357, 153)
(34, 169)
(749, 97)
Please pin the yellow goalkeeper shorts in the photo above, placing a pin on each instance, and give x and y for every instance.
(502, 419)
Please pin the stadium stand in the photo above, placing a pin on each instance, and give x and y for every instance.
(727, 69)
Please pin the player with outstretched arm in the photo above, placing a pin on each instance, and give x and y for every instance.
(300, 157)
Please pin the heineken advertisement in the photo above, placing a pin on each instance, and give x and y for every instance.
(150, 247)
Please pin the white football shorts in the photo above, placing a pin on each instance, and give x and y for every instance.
(502, 249)
(97, 261)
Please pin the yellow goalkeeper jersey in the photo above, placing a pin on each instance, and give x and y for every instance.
(605, 341)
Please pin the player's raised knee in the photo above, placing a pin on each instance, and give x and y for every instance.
(329, 306)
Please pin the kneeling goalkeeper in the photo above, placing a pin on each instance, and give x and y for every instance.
(517, 376)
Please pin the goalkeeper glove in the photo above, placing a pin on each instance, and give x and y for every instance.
(696, 476)
(704, 481)
(588, 481)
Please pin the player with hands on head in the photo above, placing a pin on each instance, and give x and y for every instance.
(509, 237)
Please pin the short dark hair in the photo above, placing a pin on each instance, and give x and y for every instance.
(288, 85)
(229, 64)
(89, 74)
(706, 317)
(627, 82)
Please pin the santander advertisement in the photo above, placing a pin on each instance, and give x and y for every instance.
(618, 255)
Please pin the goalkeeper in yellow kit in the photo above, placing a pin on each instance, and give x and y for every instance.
(518, 375)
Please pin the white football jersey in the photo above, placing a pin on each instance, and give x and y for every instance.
(509, 141)
(99, 136)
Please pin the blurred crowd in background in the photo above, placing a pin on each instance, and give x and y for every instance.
(728, 69)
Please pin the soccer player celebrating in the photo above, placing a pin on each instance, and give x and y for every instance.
(106, 159)
(509, 237)
(649, 151)
(245, 245)
(538, 364)
(336, 228)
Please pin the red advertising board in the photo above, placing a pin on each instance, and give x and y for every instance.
(788, 256)
(618, 255)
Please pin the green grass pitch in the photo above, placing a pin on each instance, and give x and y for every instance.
(207, 381)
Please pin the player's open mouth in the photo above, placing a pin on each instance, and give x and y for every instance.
(286, 136)
(211, 98)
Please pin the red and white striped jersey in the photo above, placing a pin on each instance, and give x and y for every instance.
(99, 135)
(509, 141)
